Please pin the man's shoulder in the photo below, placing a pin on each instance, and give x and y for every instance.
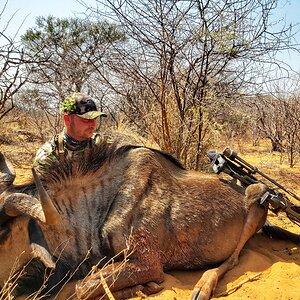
(46, 151)
(49, 146)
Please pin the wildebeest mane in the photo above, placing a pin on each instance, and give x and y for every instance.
(92, 160)
(167, 155)
(63, 168)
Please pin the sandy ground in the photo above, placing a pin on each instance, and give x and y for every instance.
(275, 265)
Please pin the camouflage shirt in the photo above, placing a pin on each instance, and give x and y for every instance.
(50, 150)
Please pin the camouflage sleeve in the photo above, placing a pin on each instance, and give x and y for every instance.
(44, 155)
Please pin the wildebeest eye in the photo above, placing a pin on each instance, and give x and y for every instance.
(4, 233)
(5, 225)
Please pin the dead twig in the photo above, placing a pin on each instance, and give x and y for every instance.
(106, 288)
(236, 287)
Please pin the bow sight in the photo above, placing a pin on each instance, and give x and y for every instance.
(243, 174)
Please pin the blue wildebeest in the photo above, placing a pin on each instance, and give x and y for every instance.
(132, 198)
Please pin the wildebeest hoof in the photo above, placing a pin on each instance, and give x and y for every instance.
(205, 287)
(198, 295)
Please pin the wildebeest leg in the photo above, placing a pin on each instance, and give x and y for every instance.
(208, 282)
(132, 292)
(94, 287)
(125, 278)
(280, 233)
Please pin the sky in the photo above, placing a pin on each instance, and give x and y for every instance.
(24, 14)
(289, 10)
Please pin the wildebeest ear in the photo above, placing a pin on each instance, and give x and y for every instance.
(38, 244)
(7, 172)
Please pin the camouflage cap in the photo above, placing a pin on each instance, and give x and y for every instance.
(81, 105)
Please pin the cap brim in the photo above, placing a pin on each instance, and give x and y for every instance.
(92, 115)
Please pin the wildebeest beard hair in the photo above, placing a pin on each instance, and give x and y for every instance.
(36, 277)
(93, 159)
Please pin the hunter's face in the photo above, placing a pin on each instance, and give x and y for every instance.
(79, 128)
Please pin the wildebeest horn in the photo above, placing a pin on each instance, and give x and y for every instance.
(7, 172)
(17, 204)
(51, 214)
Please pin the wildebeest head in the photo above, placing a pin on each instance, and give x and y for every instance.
(26, 211)
(21, 238)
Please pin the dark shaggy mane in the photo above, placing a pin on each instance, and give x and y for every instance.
(91, 161)
(167, 155)
(170, 157)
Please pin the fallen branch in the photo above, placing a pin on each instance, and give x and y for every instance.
(236, 287)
